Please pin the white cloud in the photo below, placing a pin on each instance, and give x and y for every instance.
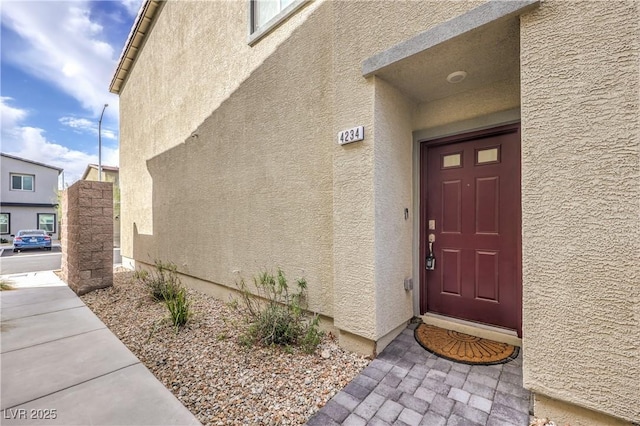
(31, 143)
(10, 115)
(63, 46)
(132, 6)
(77, 123)
(83, 125)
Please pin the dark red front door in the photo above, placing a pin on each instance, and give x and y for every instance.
(470, 197)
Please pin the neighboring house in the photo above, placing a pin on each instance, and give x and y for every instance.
(29, 196)
(504, 132)
(109, 174)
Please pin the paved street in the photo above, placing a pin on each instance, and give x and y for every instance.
(29, 261)
(36, 260)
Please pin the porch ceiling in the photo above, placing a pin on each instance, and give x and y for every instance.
(488, 55)
(485, 43)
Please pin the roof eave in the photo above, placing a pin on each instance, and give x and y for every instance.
(60, 170)
(147, 14)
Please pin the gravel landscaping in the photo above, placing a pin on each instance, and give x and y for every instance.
(216, 378)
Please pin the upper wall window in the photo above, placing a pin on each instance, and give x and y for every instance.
(22, 182)
(267, 14)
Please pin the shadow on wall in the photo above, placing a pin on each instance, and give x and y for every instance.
(252, 187)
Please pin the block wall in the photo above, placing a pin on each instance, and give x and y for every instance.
(87, 236)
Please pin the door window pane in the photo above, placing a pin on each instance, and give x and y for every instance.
(451, 160)
(489, 155)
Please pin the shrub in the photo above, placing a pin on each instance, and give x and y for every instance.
(179, 307)
(4, 285)
(276, 315)
(164, 285)
(312, 335)
(162, 282)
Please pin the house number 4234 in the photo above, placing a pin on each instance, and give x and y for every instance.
(351, 135)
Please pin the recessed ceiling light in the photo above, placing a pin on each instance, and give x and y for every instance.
(456, 77)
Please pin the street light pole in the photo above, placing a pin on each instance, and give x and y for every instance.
(100, 144)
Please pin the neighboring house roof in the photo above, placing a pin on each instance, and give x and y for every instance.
(149, 10)
(32, 162)
(95, 166)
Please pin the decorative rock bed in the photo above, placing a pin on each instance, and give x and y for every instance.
(216, 378)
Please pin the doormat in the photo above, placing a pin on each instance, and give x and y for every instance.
(464, 348)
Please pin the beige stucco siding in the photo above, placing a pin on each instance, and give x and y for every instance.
(369, 296)
(188, 76)
(500, 96)
(183, 73)
(250, 189)
(230, 164)
(107, 175)
(580, 192)
(393, 177)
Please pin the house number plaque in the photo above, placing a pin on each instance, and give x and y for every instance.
(351, 135)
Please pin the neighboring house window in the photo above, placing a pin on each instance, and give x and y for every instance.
(47, 222)
(267, 14)
(5, 222)
(22, 182)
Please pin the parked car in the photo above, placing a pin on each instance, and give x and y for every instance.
(31, 238)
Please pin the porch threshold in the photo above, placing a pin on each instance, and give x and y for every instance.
(484, 331)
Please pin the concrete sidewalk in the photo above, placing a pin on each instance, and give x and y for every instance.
(61, 365)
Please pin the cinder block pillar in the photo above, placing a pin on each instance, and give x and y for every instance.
(87, 238)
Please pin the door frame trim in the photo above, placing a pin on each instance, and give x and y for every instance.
(497, 123)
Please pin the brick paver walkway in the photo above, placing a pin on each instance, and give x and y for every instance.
(406, 385)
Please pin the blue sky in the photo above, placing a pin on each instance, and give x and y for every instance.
(57, 61)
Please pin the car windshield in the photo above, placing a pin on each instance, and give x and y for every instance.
(32, 232)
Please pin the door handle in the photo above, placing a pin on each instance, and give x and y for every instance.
(430, 261)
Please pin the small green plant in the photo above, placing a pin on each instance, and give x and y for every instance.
(276, 314)
(3, 241)
(4, 285)
(312, 336)
(162, 282)
(164, 285)
(179, 307)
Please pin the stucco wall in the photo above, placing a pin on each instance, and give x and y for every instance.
(107, 175)
(362, 29)
(393, 177)
(580, 203)
(199, 75)
(186, 69)
(251, 187)
(500, 96)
